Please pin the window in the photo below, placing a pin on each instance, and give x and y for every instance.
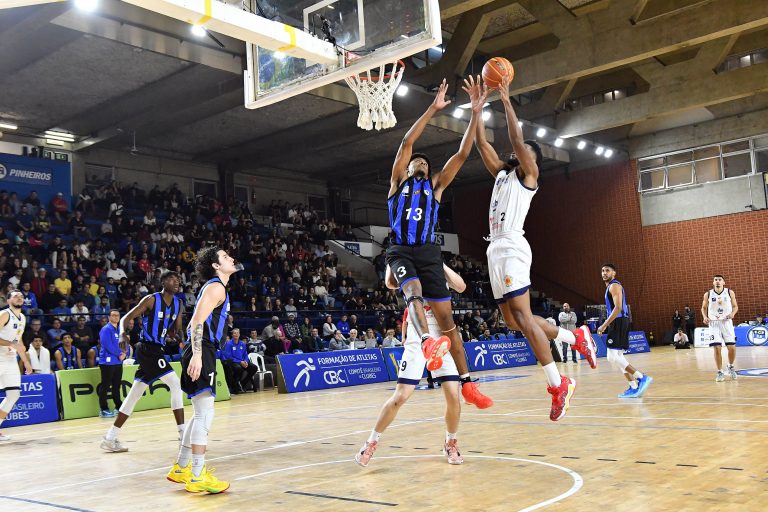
(679, 158)
(707, 170)
(706, 152)
(737, 165)
(652, 180)
(651, 163)
(732, 147)
(761, 142)
(680, 175)
(241, 194)
(761, 161)
(205, 188)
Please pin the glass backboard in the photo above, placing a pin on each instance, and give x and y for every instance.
(368, 33)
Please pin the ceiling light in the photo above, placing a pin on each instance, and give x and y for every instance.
(458, 113)
(402, 90)
(608, 153)
(486, 115)
(558, 142)
(87, 5)
(54, 142)
(469, 105)
(9, 126)
(581, 145)
(541, 132)
(198, 30)
(63, 136)
(599, 150)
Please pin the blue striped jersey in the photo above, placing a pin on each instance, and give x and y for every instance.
(609, 300)
(213, 332)
(157, 323)
(413, 212)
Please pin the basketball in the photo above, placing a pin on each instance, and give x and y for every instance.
(495, 69)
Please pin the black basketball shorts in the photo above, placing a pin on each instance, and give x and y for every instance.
(152, 363)
(422, 262)
(207, 379)
(618, 334)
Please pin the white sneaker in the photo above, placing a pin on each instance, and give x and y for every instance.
(720, 376)
(4, 437)
(451, 452)
(732, 373)
(114, 446)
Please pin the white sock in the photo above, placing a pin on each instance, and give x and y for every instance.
(633, 384)
(375, 436)
(462, 377)
(1, 421)
(112, 433)
(198, 462)
(553, 376)
(565, 336)
(185, 453)
(180, 428)
(450, 436)
(637, 375)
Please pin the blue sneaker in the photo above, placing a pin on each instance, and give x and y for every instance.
(642, 385)
(629, 393)
(106, 414)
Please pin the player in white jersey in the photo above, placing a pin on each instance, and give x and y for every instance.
(409, 374)
(509, 255)
(718, 309)
(12, 324)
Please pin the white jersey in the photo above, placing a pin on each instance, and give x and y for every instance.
(510, 203)
(720, 304)
(13, 330)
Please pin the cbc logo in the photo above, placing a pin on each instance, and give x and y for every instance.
(499, 359)
(334, 377)
(758, 336)
(3, 171)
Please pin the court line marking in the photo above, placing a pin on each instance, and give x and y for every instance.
(578, 481)
(47, 504)
(222, 457)
(328, 496)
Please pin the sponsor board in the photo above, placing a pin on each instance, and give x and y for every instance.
(496, 354)
(325, 370)
(38, 402)
(80, 399)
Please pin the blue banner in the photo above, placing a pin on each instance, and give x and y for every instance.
(493, 355)
(602, 348)
(23, 174)
(751, 335)
(38, 402)
(325, 370)
(392, 358)
(638, 343)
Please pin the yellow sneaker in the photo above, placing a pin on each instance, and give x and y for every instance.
(206, 482)
(179, 475)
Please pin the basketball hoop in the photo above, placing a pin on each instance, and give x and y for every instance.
(375, 93)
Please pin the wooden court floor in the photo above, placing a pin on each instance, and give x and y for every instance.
(689, 444)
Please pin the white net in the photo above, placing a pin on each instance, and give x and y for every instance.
(375, 94)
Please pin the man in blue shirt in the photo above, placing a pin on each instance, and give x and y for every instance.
(30, 306)
(238, 368)
(111, 365)
(101, 309)
(55, 333)
(111, 289)
(343, 326)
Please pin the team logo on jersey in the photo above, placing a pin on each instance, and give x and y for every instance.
(426, 193)
(173, 317)
(507, 280)
(160, 315)
(406, 189)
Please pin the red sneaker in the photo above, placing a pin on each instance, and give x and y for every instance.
(561, 397)
(434, 350)
(472, 395)
(585, 345)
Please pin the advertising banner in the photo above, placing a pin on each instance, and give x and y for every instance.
(23, 174)
(701, 337)
(38, 402)
(80, 399)
(392, 358)
(325, 370)
(638, 342)
(497, 354)
(751, 335)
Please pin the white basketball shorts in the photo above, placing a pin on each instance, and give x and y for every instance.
(509, 266)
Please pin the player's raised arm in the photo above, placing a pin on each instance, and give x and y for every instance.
(213, 296)
(400, 167)
(527, 160)
(144, 305)
(477, 96)
(489, 156)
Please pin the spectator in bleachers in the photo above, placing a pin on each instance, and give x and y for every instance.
(24, 221)
(485, 336)
(390, 340)
(102, 309)
(354, 341)
(51, 298)
(16, 278)
(84, 340)
(315, 341)
(62, 311)
(39, 356)
(15, 203)
(5, 205)
(67, 356)
(77, 226)
(42, 222)
(55, 333)
(35, 328)
(274, 337)
(306, 327)
(343, 325)
(59, 207)
(329, 328)
(63, 284)
(338, 342)
(292, 333)
(30, 306)
(370, 340)
(116, 273)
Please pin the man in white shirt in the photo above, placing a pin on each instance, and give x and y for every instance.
(80, 309)
(39, 356)
(681, 339)
(567, 319)
(116, 273)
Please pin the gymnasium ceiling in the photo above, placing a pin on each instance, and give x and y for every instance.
(121, 69)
